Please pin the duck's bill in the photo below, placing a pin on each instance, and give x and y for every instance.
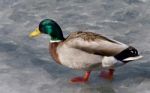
(35, 33)
(133, 58)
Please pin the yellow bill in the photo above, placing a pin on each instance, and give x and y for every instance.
(35, 33)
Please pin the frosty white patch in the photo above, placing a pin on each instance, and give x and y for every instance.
(111, 61)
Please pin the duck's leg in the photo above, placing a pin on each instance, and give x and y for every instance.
(81, 79)
(107, 74)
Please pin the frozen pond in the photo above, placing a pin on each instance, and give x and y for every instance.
(25, 64)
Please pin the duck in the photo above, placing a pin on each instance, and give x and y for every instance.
(86, 51)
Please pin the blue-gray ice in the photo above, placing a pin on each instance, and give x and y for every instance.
(25, 64)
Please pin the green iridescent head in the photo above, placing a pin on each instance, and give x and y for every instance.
(50, 27)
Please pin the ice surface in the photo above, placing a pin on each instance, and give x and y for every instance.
(25, 64)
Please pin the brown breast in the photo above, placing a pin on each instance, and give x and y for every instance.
(52, 50)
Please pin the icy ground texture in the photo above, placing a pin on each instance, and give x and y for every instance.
(26, 67)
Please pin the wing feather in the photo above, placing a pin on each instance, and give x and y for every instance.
(94, 43)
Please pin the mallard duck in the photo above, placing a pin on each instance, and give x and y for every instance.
(86, 51)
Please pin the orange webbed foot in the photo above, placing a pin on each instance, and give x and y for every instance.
(78, 80)
(107, 74)
(81, 79)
